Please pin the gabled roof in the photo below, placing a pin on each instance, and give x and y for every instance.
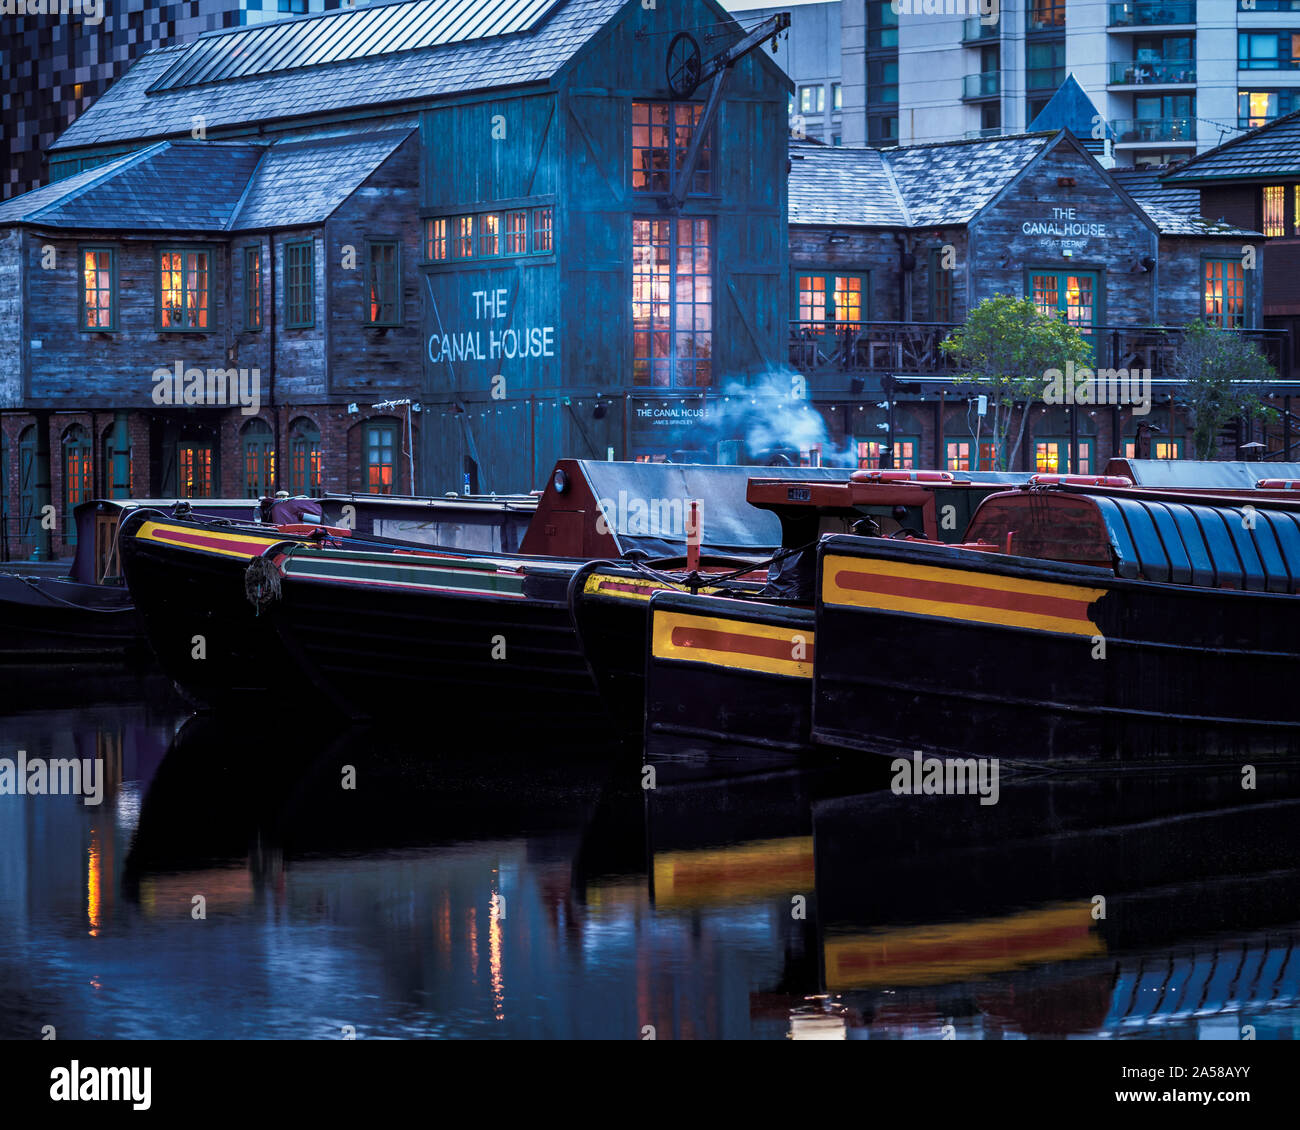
(210, 186)
(939, 185)
(1070, 108)
(301, 83)
(949, 183)
(1272, 150)
(1176, 211)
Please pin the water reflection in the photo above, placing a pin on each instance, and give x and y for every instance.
(232, 884)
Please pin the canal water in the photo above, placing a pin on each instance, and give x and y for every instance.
(248, 879)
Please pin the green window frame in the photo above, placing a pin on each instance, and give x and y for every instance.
(193, 469)
(98, 288)
(107, 454)
(1077, 296)
(1223, 292)
(306, 459)
(27, 517)
(839, 297)
(185, 290)
(253, 288)
(488, 225)
(906, 450)
(380, 448)
(383, 282)
(957, 452)
(257, 457)
(462, 237)
(1051, 456)
(78, 477)
(437, 246)
(941, 288)
(544, 229)
(300, 284)
(516, 231)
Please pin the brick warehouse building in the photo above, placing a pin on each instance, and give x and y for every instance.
(487, 227)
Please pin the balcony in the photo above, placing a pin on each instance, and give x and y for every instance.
(912, 349)
(986, 84)
(976, 31)
(1127, 73)
(1152, 13)
(1149, 131)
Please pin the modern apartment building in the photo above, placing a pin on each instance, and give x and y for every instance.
(56, 63)
(1170, 78)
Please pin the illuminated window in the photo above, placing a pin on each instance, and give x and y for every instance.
(1051, 457)
(253, 287)
(661, 135)
(259, 459)
(383, 283)
(812, 99)
(299, 285)
(98, 288)
(831, 298)
(489, 234)
(517, 232)
(957, 455)
(184, 290)
(672, 302)
(1274, 223)
(78, 484)
(380, 453)
(1224, 289)
(194, 470)
(306, 460)
(464, 243)
(871, 453)
(1160, 449)
(543, 229)
(435, 240)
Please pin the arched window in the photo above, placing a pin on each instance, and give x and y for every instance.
(306, 460)
(78, 484)
(27, 484)
(380, 450)
(258, 459)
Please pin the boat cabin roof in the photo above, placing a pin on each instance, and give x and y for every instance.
(1245, 543)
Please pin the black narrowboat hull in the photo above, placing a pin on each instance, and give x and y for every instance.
(725, 672)
(489, 640)
(187, 582)
(51, 619)
(943, 649)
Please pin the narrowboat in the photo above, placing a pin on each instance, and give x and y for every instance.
(87, 614)
(738, 668)
(377, 626)
(1094, 623)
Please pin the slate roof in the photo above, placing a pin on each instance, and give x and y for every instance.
(210, 186)
(127, 112)
(950, 183)
(838, 185)
(908, 186)
(1176, 211)
(1272, 150)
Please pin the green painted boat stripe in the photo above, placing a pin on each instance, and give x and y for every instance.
(392, 572)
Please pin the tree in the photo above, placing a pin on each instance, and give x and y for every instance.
(1006, 347)
(1219, 371)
